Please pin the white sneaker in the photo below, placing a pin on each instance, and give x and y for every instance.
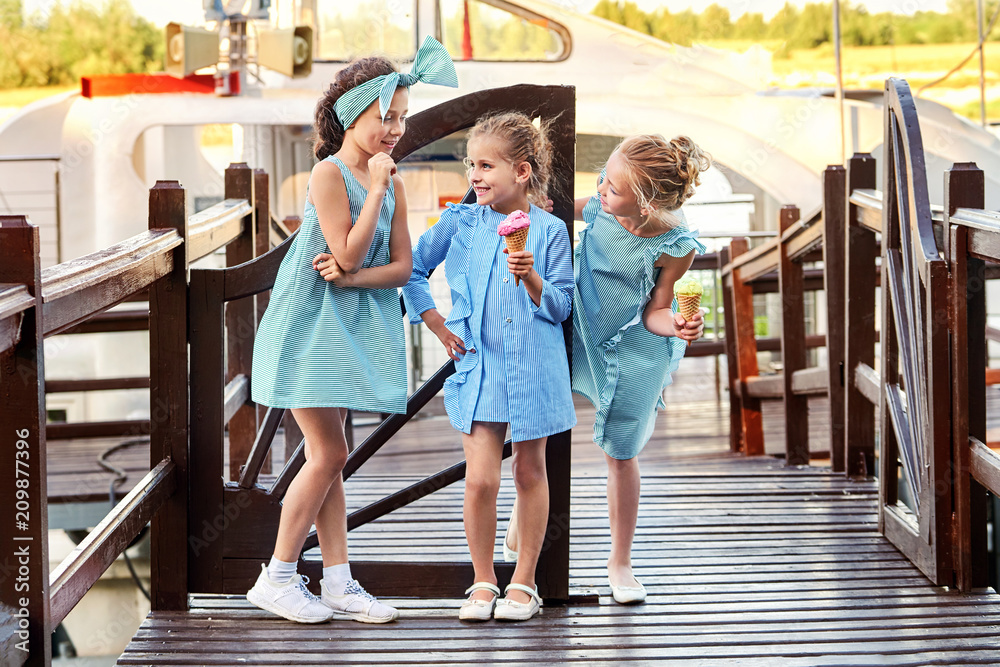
(357, 604)
(291, 600)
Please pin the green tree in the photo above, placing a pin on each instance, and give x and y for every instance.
(813, 26)
(714, 23)
(11, 14)
(964, 12)
(750, 26)
(76, 40)
(610, 10)
(784, 24)
(635, 18)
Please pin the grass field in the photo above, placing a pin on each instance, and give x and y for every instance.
(19, 97)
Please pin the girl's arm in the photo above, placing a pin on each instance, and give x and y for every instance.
(349, 243)
(431, 249)
(551, 294)
(394, 274)
(658, 316)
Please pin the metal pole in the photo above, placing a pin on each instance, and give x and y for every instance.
(982, 64)
(840, 78)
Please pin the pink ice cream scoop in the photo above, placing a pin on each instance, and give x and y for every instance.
(514, 229)
(513, 222)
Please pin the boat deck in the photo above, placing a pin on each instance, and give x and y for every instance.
(747, 562)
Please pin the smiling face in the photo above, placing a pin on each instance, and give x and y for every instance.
(497, 183)
(617, 197)
(373, 135)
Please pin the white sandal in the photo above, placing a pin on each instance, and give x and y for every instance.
(479, 610)
(509, 555)
(628, 594)
(511, 610)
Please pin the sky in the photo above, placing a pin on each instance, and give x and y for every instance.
(190, 11)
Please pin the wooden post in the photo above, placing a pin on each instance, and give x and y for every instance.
(168, 402)
(793, 345)
(262, 243)
(241, 322)
(206, 512)
(746, 356)
(552, 572)
(859, 327)
(834, 236)
(732, 366)
(963, 188)
(24, 568)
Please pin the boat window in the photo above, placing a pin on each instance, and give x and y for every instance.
(498, 31)
(347, 30)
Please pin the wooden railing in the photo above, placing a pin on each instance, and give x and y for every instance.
(972, 237)
(923, 402)
(35, 304)
(747, 271)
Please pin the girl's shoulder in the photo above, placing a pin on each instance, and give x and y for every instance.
(462, 212)
(328, 165)
(458, 216)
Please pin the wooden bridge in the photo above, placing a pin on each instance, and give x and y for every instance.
(876, 557)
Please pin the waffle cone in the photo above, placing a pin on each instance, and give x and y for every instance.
(516, 241)
(687, 306)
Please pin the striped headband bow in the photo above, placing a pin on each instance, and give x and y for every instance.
(432, 64)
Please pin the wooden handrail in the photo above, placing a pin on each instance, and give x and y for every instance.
(215, 227)
(869, 208)
(71, 580)
(13, 300)
(76, 290)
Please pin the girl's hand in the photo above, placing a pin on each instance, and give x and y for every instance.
(690, 330)
(330, 269)
(381, 169)
(452, 343)
(520, 263)
(549, 205)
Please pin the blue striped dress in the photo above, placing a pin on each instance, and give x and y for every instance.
(319, 345)
(519, 373)
(618, 364)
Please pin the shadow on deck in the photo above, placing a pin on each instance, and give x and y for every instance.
(747, 561)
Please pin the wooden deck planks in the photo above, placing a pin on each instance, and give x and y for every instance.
(747, 562)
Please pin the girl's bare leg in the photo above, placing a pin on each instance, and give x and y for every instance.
(316, 495)
(532, 486)
(483, 455)
(623, 513)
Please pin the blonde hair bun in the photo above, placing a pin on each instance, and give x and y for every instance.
(662, 174)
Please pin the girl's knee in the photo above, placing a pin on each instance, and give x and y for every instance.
(529, 477)
(330, 460)
(482, 487)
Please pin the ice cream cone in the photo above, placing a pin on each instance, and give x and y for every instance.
(516, 241)
(687, 306)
